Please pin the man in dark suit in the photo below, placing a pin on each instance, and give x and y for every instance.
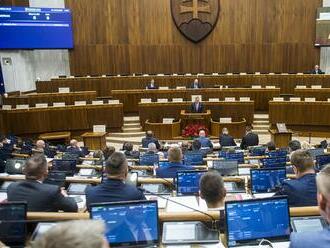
(301, 191)
(75, 149)
(225, 139)
(40, 197)
(150, 139)
(196, 84)
(197, 106)
(317, 70)
(152, 86)
(317, 239)
(250, 139)
(114, 188)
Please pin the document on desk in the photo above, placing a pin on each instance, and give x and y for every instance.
(177, 204)
(162, 202)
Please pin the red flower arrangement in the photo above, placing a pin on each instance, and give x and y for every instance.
(192, 130)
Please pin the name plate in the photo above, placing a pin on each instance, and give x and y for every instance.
(300, 73)
(174, 74)
(316, 86)
(22, 106)
(162, 100)
(295, 99)
(243, 73)
(271, 87)
(80, 103)
(64, 90)
(146, 75)
(256, 87)
(310, 99)
(215, 74)
(104, 76)
(113, 102)
(229, 73)
(177, 100)
(168, 120)
(200, 74)
(257, 73)
(245, 99)
(42, 105)
(230, 99)
(71, 76)
(164, 88)
(301, 87)
(278, 99)
(59, 104)
(181, 87)
(146, 100)
(99, 129)
(225, 120)
(214, 100)
(271, 73)
(188, 74)
(6, 107)
(160, 74)
(97, 102)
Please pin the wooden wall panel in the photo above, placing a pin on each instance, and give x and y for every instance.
(132, 36)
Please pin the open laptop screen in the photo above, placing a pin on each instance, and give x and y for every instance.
(67, 166)
(267, 180)
(225, 167)
(274, 162)
(149, 159)
(188, 182)
(193, 158)
(252, 220)
(128, 223)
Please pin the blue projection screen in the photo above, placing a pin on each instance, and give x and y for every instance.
(35, 28)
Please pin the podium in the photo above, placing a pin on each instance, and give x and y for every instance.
(195, 118)
(281, 140)
(94, 141)
(165, 131)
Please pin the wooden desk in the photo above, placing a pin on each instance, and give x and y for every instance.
(304, 117)
(320, 94)
(281, 140)
(164, 131)
(131, 98)
(50, 98)
(58, 119)
(155, 112)
(188, 118)
(236, 128)
(94, 141)
(66, 136)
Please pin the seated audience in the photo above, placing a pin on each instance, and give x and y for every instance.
(152, 86)
(317, 239)
(270, 146)
(114, 188)
(75, 149)
(196, 146)
(250, 139)
(197, 106)
(317, 70)
(185, 147)
(40, 197)
(301, 191)
(205, 142)
(175, 164)
(150, 139)
(152, 149)
(212, 190)
(108, 151)
(225, 139)
(129, 152)
(196, 84)
(73, 234)
(41, 147)
(293, 146)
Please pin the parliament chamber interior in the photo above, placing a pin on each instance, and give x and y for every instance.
(165, 123)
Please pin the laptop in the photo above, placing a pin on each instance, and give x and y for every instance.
(77, 188)
(67, 166)
(274, 162)
(188, 182)
(15, 166)
(308, 224)
(321, 161)
(257, 150)
(266, 180)
(86, 172)
(278, 153)
(13, 228)
(192, 232)
(239, 156)
(232, 187)
(316, 152)
(250, 221)
(225, 167)
(129, 224)
(193, 158)
(56, 178)
(149, 159)
(41, 229)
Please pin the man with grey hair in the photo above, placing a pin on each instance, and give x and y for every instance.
(225, 139)
(79, 233)
(302, 190)
(40, 197)
(319, 239)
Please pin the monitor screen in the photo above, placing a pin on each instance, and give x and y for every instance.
(193, 158)
(239, 156)
(267, 180)
(322, 160)
(278, 153)
(308, 224)
(274, 162)
(251, 220)
(226, 167)
(13, 223)
(149, 159)
(67, 166)
(37, 28)
(128, 223)
(188, 182)
(258, 151)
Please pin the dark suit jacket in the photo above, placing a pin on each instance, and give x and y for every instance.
(41, 197)
(318, 72)
(226, 140)
(76, 151)
(112, 190)
(199, 110)
(146, 141)
(250, 139)
(301, 192)
(199, 86)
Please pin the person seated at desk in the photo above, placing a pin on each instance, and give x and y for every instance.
(42, 148)
(205, 141)
(114, 188)
(40, 197)
(301, 191)
(317, 239)
(151, 85)
(129, 151)
(270, 146)
(174, 165)
(196, 84)
(213, 191)
(108, 151)
(152, 149)
(73, 234)
(197, 106)
(317, 70)
(75, 149)
(225, 139)
(150, 139)
(250, 139)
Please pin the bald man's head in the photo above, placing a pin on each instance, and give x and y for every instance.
(40, 144)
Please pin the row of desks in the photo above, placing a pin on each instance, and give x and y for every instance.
(104, 85)
(56, 119)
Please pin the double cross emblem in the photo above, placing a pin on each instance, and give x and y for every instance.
(198, 6)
